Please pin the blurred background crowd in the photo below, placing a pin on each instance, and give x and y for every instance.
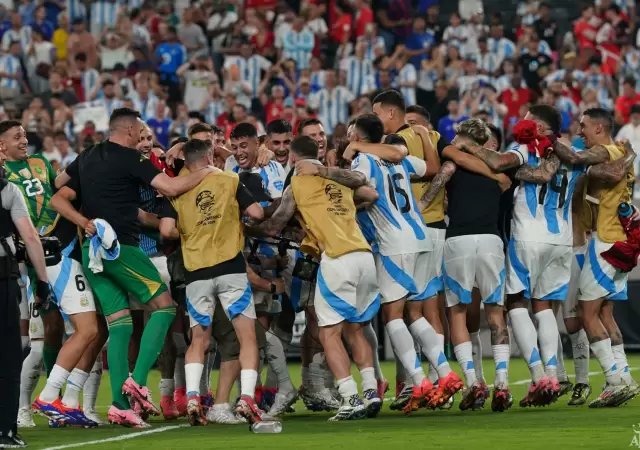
(66, 65)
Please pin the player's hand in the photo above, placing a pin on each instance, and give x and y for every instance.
(42, 294)
(279, 284)
(635, 217)
(90, 228)
(503, 181)
(174, 153)
(350, 152)
(264, 156)
(307, 168)
(331, 158)
(283, 262)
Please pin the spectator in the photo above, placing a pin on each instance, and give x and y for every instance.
(104, 14)
(35, 119)
(17, 33)
(547, 28)
(535, 65)
(81, 41)
(407, 79)
(499, 45)
(514, 98)
(197, 74)
(262, 42)
(213, 105)
(332, 102)
(585, 30)
(114, 50)
(140, 35)
(433, 24)
(109, 98)
(364, 17)
(341, 28)
(90, 78)
(396, 19)
(298, 44)
(613, 33)
(12, 81)
(191, 35)
(488, 62)
(631, 131)
(418, 45)
(250, 66)
(61, 36)
(357, 69)
(454, 34)
(144, 100)
(58, 88)
(41, 56)
(220, 25)
(50, 152)
(446, 125)
(66, 153)
(237, 88)
(27, 10)
(161, 125)
(41, 23)
(171, 56)
(626, 100)
(431, 70)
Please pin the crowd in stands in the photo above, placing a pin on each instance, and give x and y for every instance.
(66, 65)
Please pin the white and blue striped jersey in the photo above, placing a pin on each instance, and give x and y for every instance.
(11, 65)
(90, 81)
(298, 46)
(408, 74)
(567, 105)
(112, 104)
(371, 46)
(542, 212)
(213, 110)
(103, 15)
(543, 47)
(250, 69)
(23, 36)
(332, 106)
(503, 48)
(146, 107)
(273, 176)
(133, 4)
(318, 79)
(356, 70)
(399, 228)
(488, 61)
(76, 10)
(559, 75)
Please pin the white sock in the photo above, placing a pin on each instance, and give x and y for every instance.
(548, 336)
(248, 379)
(424, 333)
(57, 378)
(30, 374)
(501, 354)
(527, 339)
(562, 371)
(369, 381)
(372, 339)
(167, 386)
(193, 372)
(277, 361)
(92, 385)
(402, 344)
(476, 345)
(204, 383)
(75, 384)
(621, 363)
(347, 387)
(580, 350)
(433, 373)
(401, 374)
(603, 352)
(178, 372)
(25, 342)
(464, 355)
(306, 376)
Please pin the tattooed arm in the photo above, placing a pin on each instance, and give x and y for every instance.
(498, 162)
(541, 174)
(280, 217)
(346, 177)
(595, 155)
(442, 177)
(612, 172)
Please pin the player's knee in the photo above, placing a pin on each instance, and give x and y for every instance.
(572, 324)
(161, 301)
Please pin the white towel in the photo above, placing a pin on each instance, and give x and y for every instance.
(103, 245)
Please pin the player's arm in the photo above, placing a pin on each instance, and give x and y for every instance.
(148, 220)
(469, 162)
(273, 225)
(393, 149)
(611, 173)
(62, 179)
(172, 187)
(595, 155)
(248, 205)
(346, 177)
(498, 162)
(365, 195)
(430, 153)
(437, 184)
(61, 202)
(168, 221)
(260, 284)
(541, 174)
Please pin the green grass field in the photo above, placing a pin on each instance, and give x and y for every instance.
(558, 426)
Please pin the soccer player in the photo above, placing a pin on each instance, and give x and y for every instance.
(109, 175)
(600, 282)
(346, 294)
(206, 217)
(417, 115)
(474, 254)
(313, 128)
(279, 141)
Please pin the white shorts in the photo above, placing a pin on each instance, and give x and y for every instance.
(538, 270)
(27, 300)
(23, 282)
(161, 264)
(402, 276)
(232, 291)
(300, 292)
(570, 305)
(347, 289)
(71, 291)
(599, 279)
(434, 266)
(472, 259)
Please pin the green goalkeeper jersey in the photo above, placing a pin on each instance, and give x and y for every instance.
(35, 178)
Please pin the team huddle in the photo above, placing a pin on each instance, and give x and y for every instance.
(213, 246)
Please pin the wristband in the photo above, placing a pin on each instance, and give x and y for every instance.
(273, 288)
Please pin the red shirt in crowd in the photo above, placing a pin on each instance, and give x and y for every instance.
(363, 18)
(624, 104)
(513, 99)
(585, 33)
(223, 120)
(274, 111)
(262, 45)
(341, 28)
(260, 4)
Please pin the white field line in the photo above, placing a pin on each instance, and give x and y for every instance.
(122, 437)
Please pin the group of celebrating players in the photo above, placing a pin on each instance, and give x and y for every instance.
(213, 246)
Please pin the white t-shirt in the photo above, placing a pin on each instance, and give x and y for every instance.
(110, 57)
(398, 225)
(220, 21)
(43, 52)
(196, 87)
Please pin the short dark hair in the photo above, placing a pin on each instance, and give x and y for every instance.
(307, 123)
(6, 125)
(371, 127)
(417, 109)
(195, 149)
(244, 130)
(305, 147)
(108, 83)
(82, 57)
(199, 128)
(178, 140)
(615, 8)
(278, 126)
(60, 135)
(172, 29)
(122, 114)
(216, 129)
(631, 81)
(78, 21)
(496, 133)
(635, 109)
(602, 116)
(549, 115)
(391, 98)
